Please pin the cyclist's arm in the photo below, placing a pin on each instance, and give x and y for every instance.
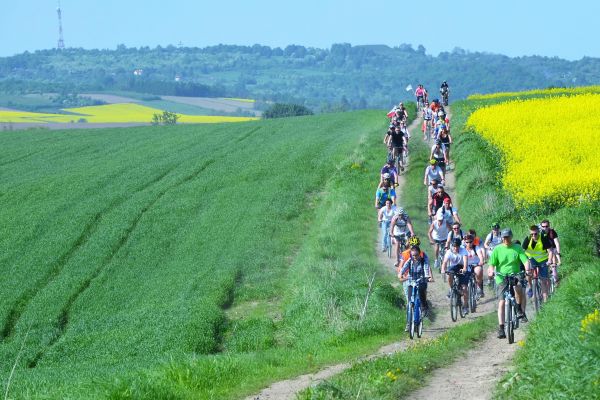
(456, 217)
(449, 136)
(425, 176)
(380, 215)
(410, 228)
(488, 240)
(444, 263)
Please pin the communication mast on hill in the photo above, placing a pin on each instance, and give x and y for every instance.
(61, 42)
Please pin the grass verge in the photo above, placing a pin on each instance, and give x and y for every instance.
(395, 376)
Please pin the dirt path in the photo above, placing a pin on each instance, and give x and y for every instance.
(439, 321)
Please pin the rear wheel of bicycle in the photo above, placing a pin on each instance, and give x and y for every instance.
(454, 306)
(508, 318)
(411, 315)
(389, 247)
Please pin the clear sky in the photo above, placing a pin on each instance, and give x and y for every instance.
(567, 29)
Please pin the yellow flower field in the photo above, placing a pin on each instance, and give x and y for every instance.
(110, 113)
(549, 145)
(553, 91)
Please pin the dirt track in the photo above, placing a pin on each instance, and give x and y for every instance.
(439, 321)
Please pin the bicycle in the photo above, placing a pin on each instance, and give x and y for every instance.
(445, 98)
(414, 315)
(388, 243)
(472, 295)
(402, 241)
(536, 287)
(553, 282)
(511, 320)
(456, 297)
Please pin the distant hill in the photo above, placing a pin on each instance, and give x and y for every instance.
(339, 78)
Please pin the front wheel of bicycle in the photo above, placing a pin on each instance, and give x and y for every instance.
(461, 309)
(411, 315)
(454, 306)
(537, 294)
(472, 297)
(420, 327)
(508, 318)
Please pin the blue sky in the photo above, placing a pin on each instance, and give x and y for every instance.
(515, 28)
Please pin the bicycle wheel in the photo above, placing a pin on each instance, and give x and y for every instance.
(472, 296)
(460, 305)
(508, 321)
(411, 315)
(420, 327)
(537, 294)
(454, 306)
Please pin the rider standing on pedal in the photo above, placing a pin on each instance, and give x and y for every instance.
(506, 259)
(445, 92)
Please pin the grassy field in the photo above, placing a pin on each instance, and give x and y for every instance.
(110, 113)
(560, 357)
(188, 261)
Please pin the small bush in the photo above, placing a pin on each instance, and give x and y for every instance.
(281, 110)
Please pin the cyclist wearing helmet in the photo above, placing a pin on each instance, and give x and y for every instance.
(553, 238)
(433, 172)
(455, 261)
(492, 239)
(438, 153)
(396, 140)
(405, 256)
(427, 119)
(446, 139)
(438, 232)
(401, 229)
(389, 169)
(455, 232)
(445, 92)
(417, 267)
(475, 258)
(506, 259)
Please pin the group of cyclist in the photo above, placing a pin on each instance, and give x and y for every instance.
(457, 252)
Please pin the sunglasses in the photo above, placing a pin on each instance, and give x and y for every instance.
(534, 233)
(468, 242)
(455, 228)
(545, 226)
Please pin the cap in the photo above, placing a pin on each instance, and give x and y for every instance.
(506, 232)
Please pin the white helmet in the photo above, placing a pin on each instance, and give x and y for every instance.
(386, 175)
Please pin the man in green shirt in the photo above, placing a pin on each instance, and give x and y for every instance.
(507, 258)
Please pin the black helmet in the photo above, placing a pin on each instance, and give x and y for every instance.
(456, 242)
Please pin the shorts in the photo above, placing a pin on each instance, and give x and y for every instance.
(539, 268)
(502, 287)
(463, 279)
(419, 98)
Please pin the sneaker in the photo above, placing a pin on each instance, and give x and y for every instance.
(406, 328)
(501, 334)
(465, 310)
(523, 317)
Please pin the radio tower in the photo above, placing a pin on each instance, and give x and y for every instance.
(61, 42)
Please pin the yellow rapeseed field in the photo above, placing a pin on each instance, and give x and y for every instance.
(110, 113)
(553, 91)
(549, 146)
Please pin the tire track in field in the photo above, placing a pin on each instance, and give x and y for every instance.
(19, 306)
(63, 319)
(14, 160)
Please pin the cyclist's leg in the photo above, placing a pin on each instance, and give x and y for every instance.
(478, 271)
(543, 274)
(423, 295)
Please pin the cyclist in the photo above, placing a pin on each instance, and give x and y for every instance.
(450, 213)
(404, 257)
(455, 260)
(438, 199)
(420, 93)
(384, 218)
(431, 190)
(390, 170)
(475, 258)
(445, 92)
(554, 259)
(537, 248)
(401, 113)
(438, 232)
(396, 141)
(438, 153)
(506, 259)
(446, 139)
(383, 193)
(492, 239)
(433, 172)
(455, 231)
(401, 229)
(413, 269)
(427, 119)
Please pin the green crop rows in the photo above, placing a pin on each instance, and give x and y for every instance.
(187, 261)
